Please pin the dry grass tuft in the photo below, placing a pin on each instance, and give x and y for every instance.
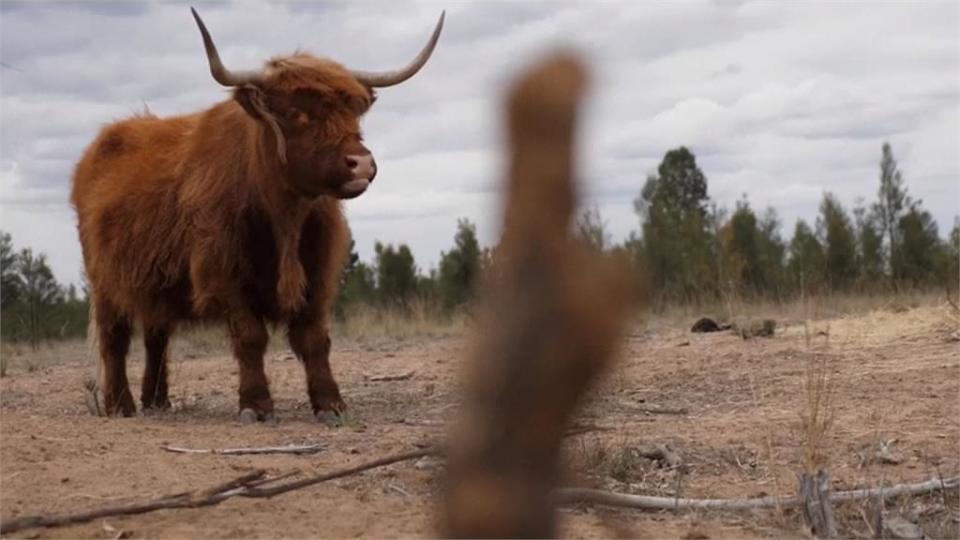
(817, 415)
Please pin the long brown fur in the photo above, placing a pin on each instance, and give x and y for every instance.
(199, 217)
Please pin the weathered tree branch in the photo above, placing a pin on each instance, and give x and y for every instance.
(647, 502)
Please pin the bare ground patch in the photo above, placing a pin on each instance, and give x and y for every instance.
(728, 408)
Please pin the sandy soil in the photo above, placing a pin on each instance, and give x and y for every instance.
(895, 376)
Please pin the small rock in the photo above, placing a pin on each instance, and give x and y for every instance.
(897, 527)
(764, 328)
(886, 456)
(706, 324)
(426, 463)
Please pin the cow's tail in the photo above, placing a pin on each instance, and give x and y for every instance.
(93, 336)
(93, 346)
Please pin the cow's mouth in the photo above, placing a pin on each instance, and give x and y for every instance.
(353, 188)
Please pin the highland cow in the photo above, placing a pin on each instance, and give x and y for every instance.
(230, 214)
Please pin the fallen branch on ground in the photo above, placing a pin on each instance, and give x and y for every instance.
(309, 481)
(647, 502)
(244, 486)
(248, 486)
(207, 497)
(292, 449)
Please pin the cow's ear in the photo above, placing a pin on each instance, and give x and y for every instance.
(251, 99)
(254, 102)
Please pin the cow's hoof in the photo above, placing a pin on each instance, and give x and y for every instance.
(249, 416)
(329, 418)
(156, 404)
(124, 407)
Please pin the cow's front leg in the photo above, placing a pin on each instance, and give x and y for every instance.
(248, 336)
(310, 340)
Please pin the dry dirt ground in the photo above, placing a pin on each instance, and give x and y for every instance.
(728, 408)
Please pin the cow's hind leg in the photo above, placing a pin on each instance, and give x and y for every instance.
(310, 340)
(154, 391)
(248, 336)
(114, 331)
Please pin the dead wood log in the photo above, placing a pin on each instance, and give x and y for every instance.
(648, 502)
(547, 326)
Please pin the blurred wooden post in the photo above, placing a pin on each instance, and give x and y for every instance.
(548, 324)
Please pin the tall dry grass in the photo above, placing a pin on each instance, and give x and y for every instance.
(736, 308)
(420, 319)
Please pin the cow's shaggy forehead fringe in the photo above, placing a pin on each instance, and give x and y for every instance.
(303, 71)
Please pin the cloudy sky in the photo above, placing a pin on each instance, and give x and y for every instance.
(779, 100)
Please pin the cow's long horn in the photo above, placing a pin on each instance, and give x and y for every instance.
(220, 73)
(390, 78)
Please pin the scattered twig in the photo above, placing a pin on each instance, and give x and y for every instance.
(398, 489)
(115, 533)
(231, 485)
(274, 479)
(647, 502)
(389, 378)
(95, 497)
(661, 410)
(573, 431)
(292, 449)
(423, 423)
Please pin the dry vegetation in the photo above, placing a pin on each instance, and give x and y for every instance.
(894, 370)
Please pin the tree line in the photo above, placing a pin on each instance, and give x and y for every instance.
(694, 251)
(690, 250)
(33, 306)
(687, 249)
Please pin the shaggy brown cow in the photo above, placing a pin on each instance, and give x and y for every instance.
(231, 214)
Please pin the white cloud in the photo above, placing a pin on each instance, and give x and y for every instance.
(781, 101)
